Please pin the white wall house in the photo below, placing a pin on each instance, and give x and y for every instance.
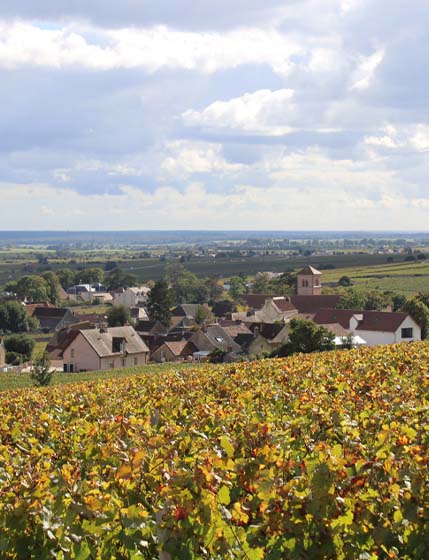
(132, 297)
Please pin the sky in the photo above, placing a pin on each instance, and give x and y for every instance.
(195, 114)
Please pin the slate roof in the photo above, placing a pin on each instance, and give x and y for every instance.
(185, 310)
(101, 340)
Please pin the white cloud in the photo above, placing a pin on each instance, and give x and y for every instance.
(420, 140)
(23, 44)
(364, 73)
(262, 112)
(188, 157)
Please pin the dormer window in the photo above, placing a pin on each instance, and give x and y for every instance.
(119, 344)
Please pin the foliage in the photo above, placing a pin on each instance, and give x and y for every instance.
(319, 456)
(54, 286)
(14, 319)
(66, 277)
(306, 336)
(21, 345)
(418, 308)
(41, 372)
(33, 288)
(345, 281)
(90, 276)
(118, 316)
(159, 302)
(217, 356)
(237, 287)
(262, 284)
(118, 278)
(185, 286)
(203, 315)
(371, 300)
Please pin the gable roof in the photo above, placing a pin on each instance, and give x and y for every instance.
(50, 312)
(185, 310)
(331, 316)
(178, 346)
(152, 327)
(101, 340)
(215, 337)
(313, 304)
(283, 304)
(267, 330)
(255, 301)
(384, 321)
(234, 328)
(309, 271)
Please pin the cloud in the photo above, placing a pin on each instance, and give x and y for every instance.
(24, 44)
(262, 112)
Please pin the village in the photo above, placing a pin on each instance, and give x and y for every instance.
(195, 332)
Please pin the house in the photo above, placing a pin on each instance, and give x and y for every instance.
(374, 327)
(173, 351)
(267, 337)
(131, 297)
(276, 309)
(308, 282)
(307, 305)
(383, 327)
(214, 337)
(53, 319)
(138, 314)
(99, 349)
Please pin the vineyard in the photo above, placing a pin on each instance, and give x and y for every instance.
(313, 457)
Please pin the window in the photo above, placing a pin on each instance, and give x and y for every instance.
(72, 353)
(136, 361)
(407, 333)
(112, 365)
(124, 362)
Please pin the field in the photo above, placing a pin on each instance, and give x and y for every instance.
(313, 457)
(13, 381)
(403, 277)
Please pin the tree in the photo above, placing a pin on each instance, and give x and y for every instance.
(186, 287)
(237, 287)
(376, 301)
(305, 336)
(118, 316)
(19, 348)
(117, 278)
(214, 288)
(33, 288)
(67, 277)
(261, 285)
(418, 308)
(345, 281)
(14, 319)
(352, 299)
(91, 276)
(203, 315)
(54, 286)
(41, 372)
(159, 303)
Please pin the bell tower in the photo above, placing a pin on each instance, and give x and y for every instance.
(308, 282)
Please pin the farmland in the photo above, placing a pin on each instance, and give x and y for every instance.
(402, 277)
(317, 456)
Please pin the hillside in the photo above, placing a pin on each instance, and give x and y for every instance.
(317, 456)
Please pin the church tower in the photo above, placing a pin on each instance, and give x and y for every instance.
(308, 282)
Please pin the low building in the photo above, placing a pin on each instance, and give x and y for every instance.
(173, 351)
(214, 337)
(53, 319)
(267, 338)
(135, 296)
(100, 349)
(276, 309)
(374, 327)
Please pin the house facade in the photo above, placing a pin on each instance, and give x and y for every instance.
(131, 297)
(101, 349)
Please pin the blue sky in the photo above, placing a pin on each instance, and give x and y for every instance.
(252, 114)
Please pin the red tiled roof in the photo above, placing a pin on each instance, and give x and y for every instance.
(384, 321)
(284, 304)
(313, 304)
(255, 301)
(341, 316)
